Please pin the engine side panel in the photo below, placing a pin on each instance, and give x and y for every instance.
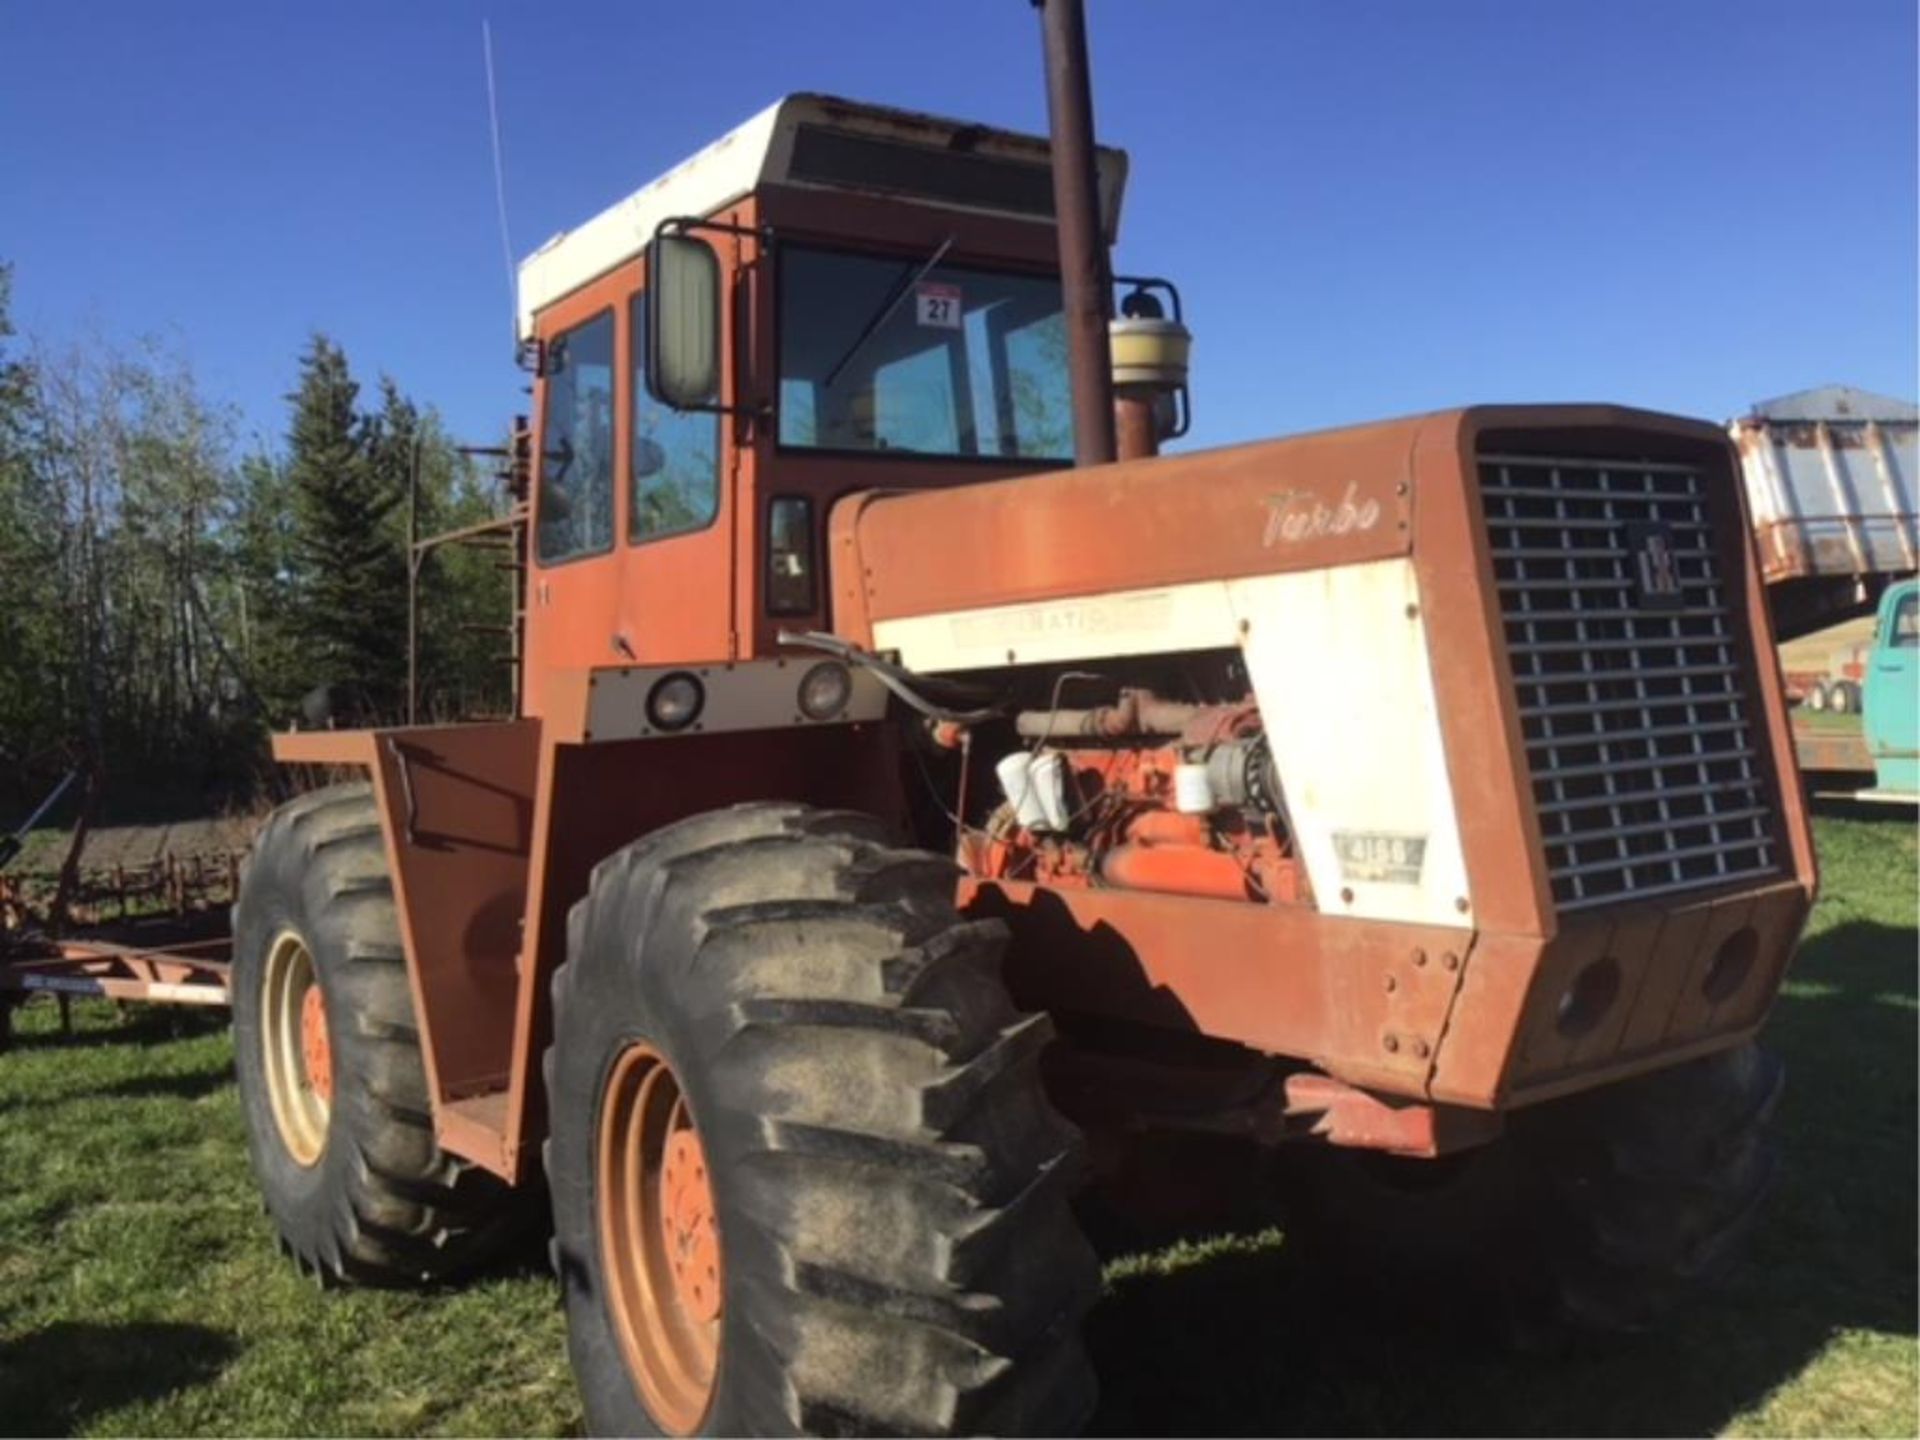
(1341, 668)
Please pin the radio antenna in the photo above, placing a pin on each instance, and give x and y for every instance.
(500, 181)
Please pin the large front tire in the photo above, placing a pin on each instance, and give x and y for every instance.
(849, 1138)
(1594, 1215)
(327, 1051)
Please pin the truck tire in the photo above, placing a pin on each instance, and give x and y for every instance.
(327, 1050)
(1817, 697)
(794, 1106)
(1843, 698)
(1593, 1215)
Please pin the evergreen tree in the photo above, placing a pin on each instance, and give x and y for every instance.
(350, 573)
(464, 597)
(466, 589)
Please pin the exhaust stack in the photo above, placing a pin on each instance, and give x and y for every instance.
(1085, 279)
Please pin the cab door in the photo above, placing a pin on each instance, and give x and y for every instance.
(574, 581)
(676, 589)
(1892, 700)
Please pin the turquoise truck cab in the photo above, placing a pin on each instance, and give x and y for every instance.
(1892, 699)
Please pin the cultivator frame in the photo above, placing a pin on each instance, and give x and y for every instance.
(172, 884)
(192, 972)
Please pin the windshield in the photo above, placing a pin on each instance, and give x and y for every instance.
(966, 362)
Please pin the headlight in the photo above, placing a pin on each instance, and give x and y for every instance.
(825, 690)
(674, 701)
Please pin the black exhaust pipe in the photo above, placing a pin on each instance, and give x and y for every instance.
(1086, 280)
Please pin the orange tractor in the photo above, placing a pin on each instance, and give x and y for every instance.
(905, 823)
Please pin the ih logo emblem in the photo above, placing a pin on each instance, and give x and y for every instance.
(1650, 546)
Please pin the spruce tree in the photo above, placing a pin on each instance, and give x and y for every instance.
(463, 591)
(350, 593)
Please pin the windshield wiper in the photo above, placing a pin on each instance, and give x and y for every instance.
(899, 292)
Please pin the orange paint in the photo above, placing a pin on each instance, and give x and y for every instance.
(690, 1226)
(316, 1050)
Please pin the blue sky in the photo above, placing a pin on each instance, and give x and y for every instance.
(1373, 207)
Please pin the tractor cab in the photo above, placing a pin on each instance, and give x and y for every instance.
(834, 297)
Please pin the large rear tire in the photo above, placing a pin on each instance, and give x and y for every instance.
(327, 1050)
(849, 1210)
(1593, 1215)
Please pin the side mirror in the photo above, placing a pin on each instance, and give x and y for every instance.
(683, 323)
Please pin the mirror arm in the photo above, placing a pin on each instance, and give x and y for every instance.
(680, 224)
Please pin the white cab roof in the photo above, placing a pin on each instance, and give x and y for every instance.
(820, 142)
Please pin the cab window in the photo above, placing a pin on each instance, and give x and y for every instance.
(1904, 632)
(676, 457)
(576, 443)
(883, 353)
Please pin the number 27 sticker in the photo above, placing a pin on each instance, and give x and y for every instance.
(937, 305)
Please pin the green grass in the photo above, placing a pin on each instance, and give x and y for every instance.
(141, 1293)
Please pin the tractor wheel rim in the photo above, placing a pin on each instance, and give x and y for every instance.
(660, 1247)
(297, 1053)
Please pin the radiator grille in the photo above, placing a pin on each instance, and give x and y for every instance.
(1642, 739)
